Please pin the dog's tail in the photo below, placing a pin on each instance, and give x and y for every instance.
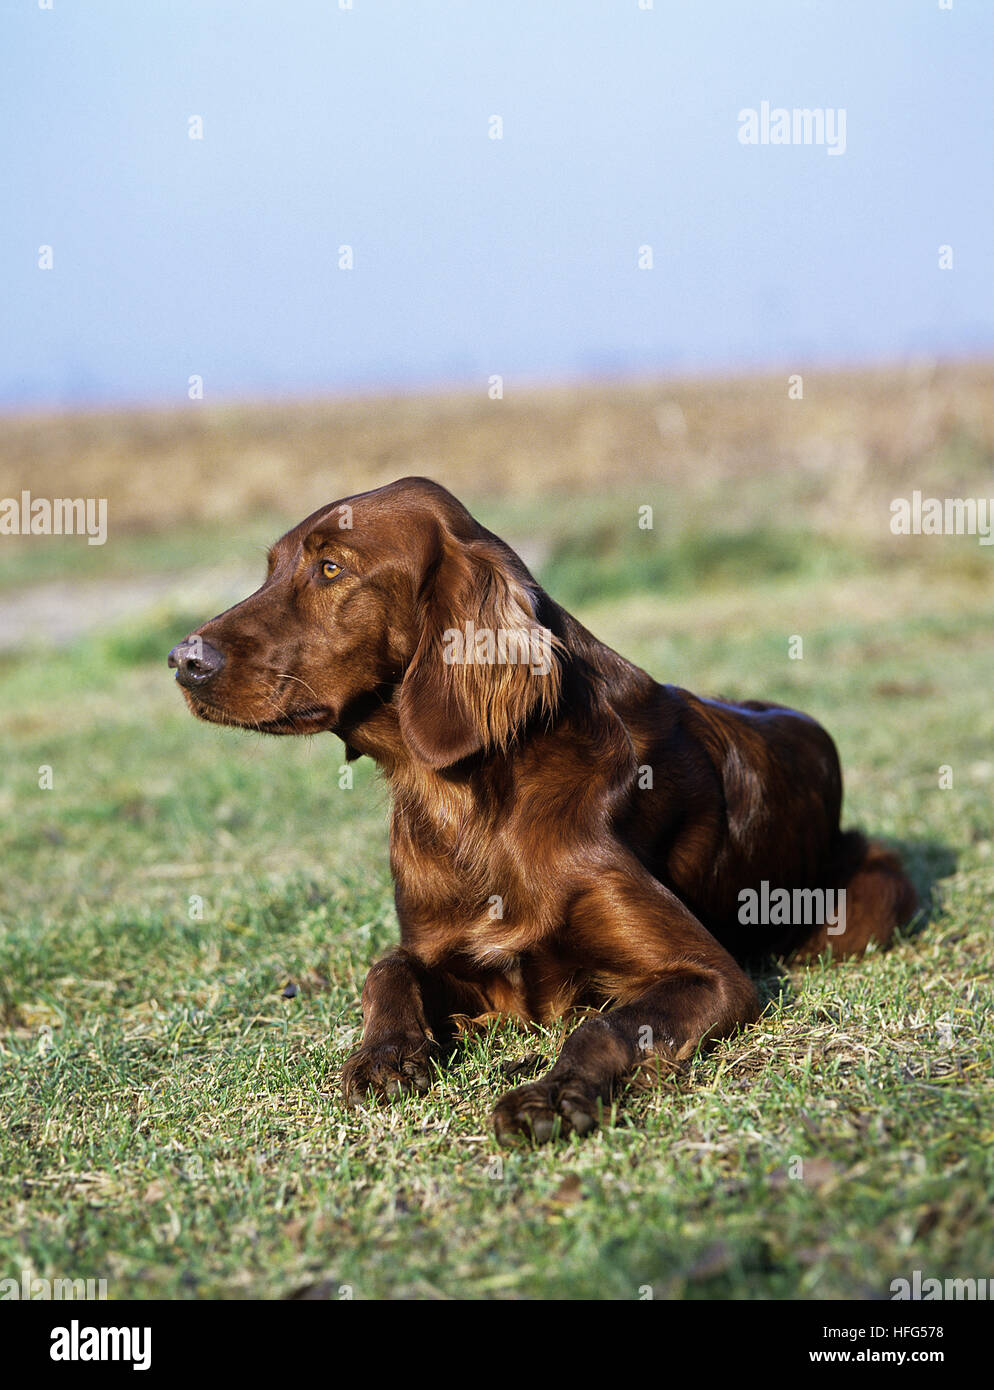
(879, 898)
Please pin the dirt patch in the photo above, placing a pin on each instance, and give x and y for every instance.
(62, 611)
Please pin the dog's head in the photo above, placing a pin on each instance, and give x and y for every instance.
(392, 611)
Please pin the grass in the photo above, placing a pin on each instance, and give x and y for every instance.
(187, 914)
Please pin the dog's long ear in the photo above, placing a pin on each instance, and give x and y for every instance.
(484, 664)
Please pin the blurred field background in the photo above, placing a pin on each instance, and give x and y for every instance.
(168, 1083)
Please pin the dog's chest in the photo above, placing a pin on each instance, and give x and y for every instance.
(465, 889)
(472, 904)
(475, 899)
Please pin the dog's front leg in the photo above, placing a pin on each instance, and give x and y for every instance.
(679, 987)
(398, 1043)
(407, 1010)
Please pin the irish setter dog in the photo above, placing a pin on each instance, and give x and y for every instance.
(566, 831)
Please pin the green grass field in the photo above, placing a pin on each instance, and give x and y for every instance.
(170, 1112)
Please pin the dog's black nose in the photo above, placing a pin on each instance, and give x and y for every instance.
(195, 661)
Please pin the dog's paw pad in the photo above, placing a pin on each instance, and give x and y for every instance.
(544, 1110)
(388, 1071)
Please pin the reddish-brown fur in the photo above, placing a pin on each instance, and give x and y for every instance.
(566, 831)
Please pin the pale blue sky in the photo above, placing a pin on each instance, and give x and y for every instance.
(369, 127)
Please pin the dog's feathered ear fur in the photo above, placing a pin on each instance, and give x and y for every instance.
(458, 696)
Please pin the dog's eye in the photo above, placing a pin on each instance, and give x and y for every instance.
(329, 570)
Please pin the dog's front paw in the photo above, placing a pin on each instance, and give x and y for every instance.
(385, 1070)
(541, 1110)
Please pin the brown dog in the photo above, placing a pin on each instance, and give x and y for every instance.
(565, 831)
